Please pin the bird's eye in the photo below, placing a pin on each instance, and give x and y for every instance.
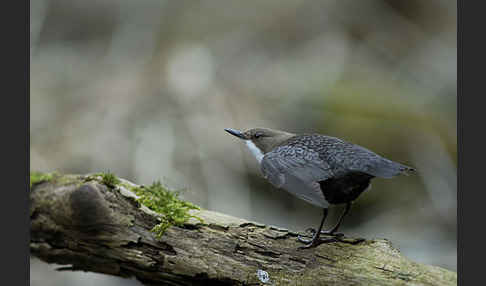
(258, 135)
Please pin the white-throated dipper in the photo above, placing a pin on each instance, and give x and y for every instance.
(318, 169)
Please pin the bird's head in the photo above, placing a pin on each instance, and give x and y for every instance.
(264, 139)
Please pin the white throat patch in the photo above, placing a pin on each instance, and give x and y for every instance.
(254, 150)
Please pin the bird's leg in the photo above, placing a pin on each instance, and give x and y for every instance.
(335, 228)
(315, 234)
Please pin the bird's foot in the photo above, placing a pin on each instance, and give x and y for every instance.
(335, 237)
(325, 232)
(314, 241)
(300, 238)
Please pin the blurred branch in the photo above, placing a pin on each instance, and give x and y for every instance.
(81, 222)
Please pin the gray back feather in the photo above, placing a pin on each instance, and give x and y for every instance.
(344, 157)
(298, 164)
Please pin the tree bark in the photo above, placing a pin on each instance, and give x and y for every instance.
(78, 221)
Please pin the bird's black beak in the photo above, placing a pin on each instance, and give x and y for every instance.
(235, 133)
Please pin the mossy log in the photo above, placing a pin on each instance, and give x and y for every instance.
(81, 222)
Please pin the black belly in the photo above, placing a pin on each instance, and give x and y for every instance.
(345, 188)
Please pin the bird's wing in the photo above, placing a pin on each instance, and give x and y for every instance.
(297, 172)
(351, 157)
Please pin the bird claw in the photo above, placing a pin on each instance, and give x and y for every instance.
(315, 242)
(311, 230)
(312, 233)
(303, 240)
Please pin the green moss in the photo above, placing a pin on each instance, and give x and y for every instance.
(38, 177)
(174, 211)
(109, 179)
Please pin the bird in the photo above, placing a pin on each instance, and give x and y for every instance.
(319, 169)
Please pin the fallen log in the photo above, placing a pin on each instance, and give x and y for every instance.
(91, 224)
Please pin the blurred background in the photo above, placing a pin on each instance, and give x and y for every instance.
(144, 89)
